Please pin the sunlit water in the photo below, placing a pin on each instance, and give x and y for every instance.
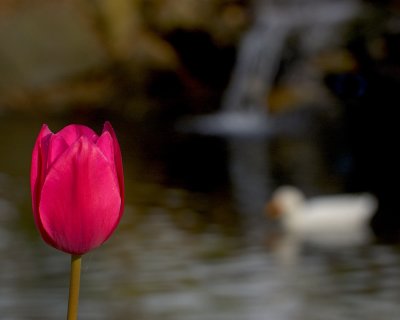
(184, 250)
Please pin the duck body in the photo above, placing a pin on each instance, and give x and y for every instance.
(327, 220)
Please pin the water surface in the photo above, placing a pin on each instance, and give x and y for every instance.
(186, 248)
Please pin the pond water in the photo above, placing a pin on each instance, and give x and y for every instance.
(193, 243)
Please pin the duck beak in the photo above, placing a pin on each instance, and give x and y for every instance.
(272, 210)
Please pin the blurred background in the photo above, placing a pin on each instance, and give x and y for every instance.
(216, 103)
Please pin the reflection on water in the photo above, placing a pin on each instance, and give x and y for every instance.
(180, 254)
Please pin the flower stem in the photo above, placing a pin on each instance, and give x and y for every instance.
(74, 284)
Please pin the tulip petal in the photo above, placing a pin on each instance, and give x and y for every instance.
(80, 201)
(57, 147)
(73, 132)
(38, 168)
(117, 160)
(105, 144)
(37, 165)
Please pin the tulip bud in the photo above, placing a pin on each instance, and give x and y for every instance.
(77, 187)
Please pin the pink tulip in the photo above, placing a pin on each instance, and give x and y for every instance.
(77, 187)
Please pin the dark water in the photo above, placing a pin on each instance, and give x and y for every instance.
(193, 243)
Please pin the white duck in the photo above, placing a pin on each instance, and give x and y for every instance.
(325, 220)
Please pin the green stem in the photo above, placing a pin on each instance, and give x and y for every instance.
(74, 284)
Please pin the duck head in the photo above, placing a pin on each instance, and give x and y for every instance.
(284, 200)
